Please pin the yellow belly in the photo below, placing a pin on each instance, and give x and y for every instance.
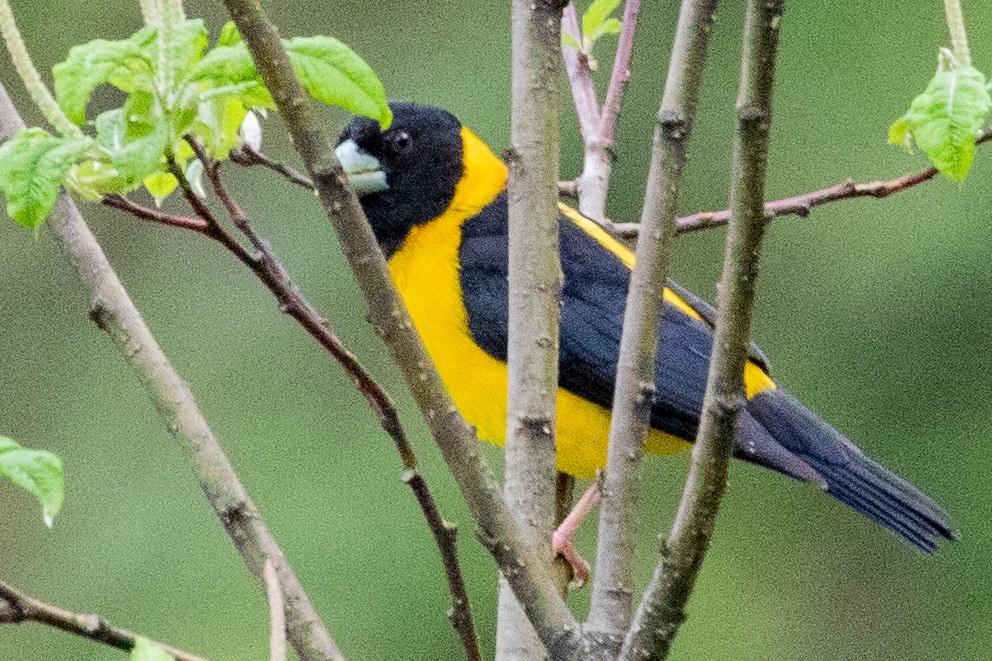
(426, 273)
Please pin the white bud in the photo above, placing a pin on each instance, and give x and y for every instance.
(251, 131)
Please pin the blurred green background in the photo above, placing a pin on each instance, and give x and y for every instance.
(875, 313)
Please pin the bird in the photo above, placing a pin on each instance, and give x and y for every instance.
(435, 195)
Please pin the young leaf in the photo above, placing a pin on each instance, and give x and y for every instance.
(594, 17)
(160, 185)
(331, 72)
(33, 166)
(609, 26)
(225, 65)
(87, 67)
(147, 650)
(37, 471)
(944, 120)
(230, 71)
(569, 41)
(229, 35)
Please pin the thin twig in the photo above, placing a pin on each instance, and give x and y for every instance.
(121, 203)
(17, 608)
(445, 536)
(535, 281)
(621, 71)
(612, 590)
(248, 156)
(115, 313)
(597, 123)
(531, 581)
(798, 205)
(579, 76)
(292, 301)
(662, 610)
(277, 614)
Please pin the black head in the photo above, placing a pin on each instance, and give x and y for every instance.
(405, 175)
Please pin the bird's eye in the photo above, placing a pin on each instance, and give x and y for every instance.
(400, 141)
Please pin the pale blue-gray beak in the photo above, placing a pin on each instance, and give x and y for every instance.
(364, 171)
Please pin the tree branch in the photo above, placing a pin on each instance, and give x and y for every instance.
(292, 301)
(531, 582)
(115, 313)
(612, 591)
(17, 607)
(535, 281)
(277, 614)
(662, 609)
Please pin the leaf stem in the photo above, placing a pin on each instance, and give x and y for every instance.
(959, 37)
(151, 12)
(37, 89)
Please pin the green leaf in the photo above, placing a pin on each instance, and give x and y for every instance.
(229, 70)
(225, 65)
(147, 650)
(33, 166)
(900, 133)
(229, 35)
(160, 185)
(569, 41)
(331, 72)
(609, 26)
(90, 65)
(217, 125)
(37, 471)
(945, 119)
(146, 138)
(594, 17)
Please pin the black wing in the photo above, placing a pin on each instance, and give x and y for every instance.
(593, 300)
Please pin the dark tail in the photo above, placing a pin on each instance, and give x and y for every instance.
(778, 432)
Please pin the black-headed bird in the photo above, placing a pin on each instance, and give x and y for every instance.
(435, 195)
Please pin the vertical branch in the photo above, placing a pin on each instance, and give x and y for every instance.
(115, 313)
(621, 69)
(530, 580)
(579, 76)
(662, 610)
(534, 300)
(612, 591)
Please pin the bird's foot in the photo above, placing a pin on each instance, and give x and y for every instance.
(561, 544)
